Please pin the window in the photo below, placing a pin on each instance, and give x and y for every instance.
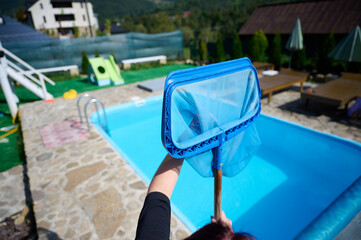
(64, 17)
(62, 4)
(44, 18)
(81, 4)
(84, 18)
(41, 6)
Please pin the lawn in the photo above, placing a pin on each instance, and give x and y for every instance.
(13, 150)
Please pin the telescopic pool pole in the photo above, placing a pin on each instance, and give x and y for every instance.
(217, 165)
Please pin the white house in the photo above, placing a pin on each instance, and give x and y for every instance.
(63, 18)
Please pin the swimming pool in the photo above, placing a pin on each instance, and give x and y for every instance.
(296, 174)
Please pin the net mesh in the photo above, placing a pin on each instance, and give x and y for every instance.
(54, 53)
(204, 109)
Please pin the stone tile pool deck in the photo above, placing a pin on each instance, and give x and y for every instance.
(85, 189)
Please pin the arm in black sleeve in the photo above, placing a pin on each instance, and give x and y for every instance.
(154, 219)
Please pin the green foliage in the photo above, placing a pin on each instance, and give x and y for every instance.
(96, 54)
(258, 46)
(158, 23)
(99, 33)
(276, 51)
(324, 64)
(208, 35)
(140, 28)
(202, 50)
(298, 59)
(237, 51)
(84, 63)
(107, 24)
(76, 31)
(20, 14)
(188, 35)
(219, 56)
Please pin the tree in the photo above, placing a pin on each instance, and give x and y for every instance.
(258, 46)
(21, 14)
(237, 47)
(128, 23)
(84, 62)
(324, 63)
(140, 28)
(219, 56)
(96, 53)
(208, 35)
(202, 50)
(188, 35)
(276, 51)
(108, 27)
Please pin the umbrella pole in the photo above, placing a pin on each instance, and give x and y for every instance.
(289, 64)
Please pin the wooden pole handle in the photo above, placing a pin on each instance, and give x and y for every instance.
(217, 193)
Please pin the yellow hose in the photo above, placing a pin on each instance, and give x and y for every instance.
(14, 129)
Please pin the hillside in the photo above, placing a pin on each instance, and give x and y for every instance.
(111, 9)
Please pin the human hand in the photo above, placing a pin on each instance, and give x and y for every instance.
(223, 220)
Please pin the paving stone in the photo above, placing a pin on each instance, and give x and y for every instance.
(105, 150)
(85, 236)
(70, 233)
(74, 220)
(181, 234)
(70, 165)
(44, 156)
(138, 185)
(17, 170)
(37, 195)
(133, 206)
(79, 175)
(106, 212)
(43, 224)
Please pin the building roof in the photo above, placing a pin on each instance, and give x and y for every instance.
(320, 17)
(29, 3)
(12, 31)
(114, 29)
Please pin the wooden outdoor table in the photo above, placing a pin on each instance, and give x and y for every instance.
(284, 79)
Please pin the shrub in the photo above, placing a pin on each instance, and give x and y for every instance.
(237, 47)
(219, 56)
(258, 46)
(276, 52)
(298, 59)
(202, 50)
(84, 63)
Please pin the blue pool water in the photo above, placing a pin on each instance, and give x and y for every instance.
(295, 175)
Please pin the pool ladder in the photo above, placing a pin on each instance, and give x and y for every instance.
(91, 100)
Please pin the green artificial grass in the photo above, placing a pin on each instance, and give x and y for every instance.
(13, 151)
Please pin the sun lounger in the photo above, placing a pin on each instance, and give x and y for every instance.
(338, 92)
(263, 66)
(284, 79)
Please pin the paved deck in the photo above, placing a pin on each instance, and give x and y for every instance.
(85, 189)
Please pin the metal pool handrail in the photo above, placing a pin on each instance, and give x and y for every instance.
(78, 104)
(96, 101)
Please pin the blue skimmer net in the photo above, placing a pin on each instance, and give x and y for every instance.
(211, 106)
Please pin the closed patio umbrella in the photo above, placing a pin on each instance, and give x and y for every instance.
(295, 41)
(349, 49)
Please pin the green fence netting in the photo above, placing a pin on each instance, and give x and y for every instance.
(54, 52)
